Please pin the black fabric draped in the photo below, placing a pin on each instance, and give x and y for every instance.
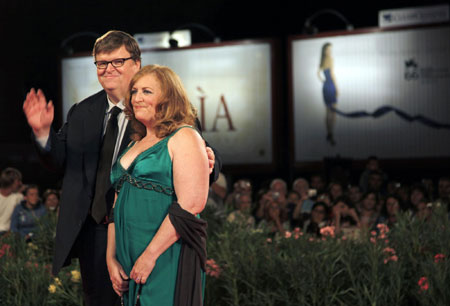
(192, 231)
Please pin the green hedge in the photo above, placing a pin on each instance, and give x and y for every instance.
(406, 265)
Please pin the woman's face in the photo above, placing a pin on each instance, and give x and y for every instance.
(146, 94)
(318, 214)
(335, 191)
(392, 206)
(51, 202)
(416, 196)
(369, 201)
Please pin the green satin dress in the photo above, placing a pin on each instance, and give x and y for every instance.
(145, 193)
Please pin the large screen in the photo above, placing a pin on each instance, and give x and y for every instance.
(372, 93)
(229, 84)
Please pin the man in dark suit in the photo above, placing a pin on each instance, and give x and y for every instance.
(77, 151)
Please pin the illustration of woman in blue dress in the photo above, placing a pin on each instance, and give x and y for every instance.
(330, 90)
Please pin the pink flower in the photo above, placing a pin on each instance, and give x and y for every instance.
(311, 239)
(383, 228)
(212, 268)
(287, 234)
(393, 258)
(373, 233)
(373, 240)
(423, 283)
(297, 230)
(5, 250)
(327, 231)
(386, 241)
(389, 250)
(439, 258)
(382, 236)
(269, 240)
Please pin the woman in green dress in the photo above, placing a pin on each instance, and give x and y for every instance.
(166, 163)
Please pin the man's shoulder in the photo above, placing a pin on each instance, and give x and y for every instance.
(95, 98)
(88, 103)
(13, 198)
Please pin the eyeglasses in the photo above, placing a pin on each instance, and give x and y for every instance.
(116, 63)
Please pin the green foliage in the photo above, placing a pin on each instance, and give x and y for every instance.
(25, 271)
(408, 265)
(378, 268)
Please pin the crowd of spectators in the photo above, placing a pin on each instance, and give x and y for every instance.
(311, 203)
(21, 205)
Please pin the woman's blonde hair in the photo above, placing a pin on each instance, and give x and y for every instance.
(174, 108)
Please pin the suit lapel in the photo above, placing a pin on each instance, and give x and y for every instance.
(93, 134)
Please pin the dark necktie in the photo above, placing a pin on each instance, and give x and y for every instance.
(102, 184)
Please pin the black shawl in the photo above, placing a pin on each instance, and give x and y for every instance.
(192, 231)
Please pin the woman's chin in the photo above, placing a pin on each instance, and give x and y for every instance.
(145, 120)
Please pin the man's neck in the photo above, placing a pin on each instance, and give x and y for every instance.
(115, 97)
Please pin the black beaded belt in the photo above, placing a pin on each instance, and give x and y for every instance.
(143, 185)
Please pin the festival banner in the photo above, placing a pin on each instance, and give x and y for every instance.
(230, 85)
(381, 93)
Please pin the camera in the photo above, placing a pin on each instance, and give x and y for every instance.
(312, 193)
(275, 195)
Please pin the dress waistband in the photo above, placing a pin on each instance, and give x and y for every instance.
(148, 185)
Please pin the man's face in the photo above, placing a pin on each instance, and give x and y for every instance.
(317, 183)
(301, 186)
(354, 194)
(375, 182)
(32, 196)
(114, 80)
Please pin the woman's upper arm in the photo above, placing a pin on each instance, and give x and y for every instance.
(190, 169)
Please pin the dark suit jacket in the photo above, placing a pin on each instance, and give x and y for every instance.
(75, 153)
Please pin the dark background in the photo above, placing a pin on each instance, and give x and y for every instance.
(32, 33)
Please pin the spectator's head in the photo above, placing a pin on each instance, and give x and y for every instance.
(370, 200)
(278, 185)
(243, 202)
(293, 196)
(243, 186)
(392, 205)
(418, 193)
(392, 186)
(319, 212)
(444, 188)
(51, 199)
(317, 182)
(31, 195)
(375, 181)
(335, 190)
(403, 193)
(342, 204)
(301, 186)
(423, 209)
(11, 179)
(354, 194)
(372, 163)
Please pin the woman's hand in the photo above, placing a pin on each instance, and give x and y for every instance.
(142, 268)
(118, 276)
